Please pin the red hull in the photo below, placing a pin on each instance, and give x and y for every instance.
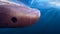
(12, 15)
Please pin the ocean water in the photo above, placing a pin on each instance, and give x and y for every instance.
(48, 23)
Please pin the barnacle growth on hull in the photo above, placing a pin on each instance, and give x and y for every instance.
(17, 15)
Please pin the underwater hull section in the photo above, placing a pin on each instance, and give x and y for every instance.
(12, 15)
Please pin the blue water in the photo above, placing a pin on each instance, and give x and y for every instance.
(48, 23)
